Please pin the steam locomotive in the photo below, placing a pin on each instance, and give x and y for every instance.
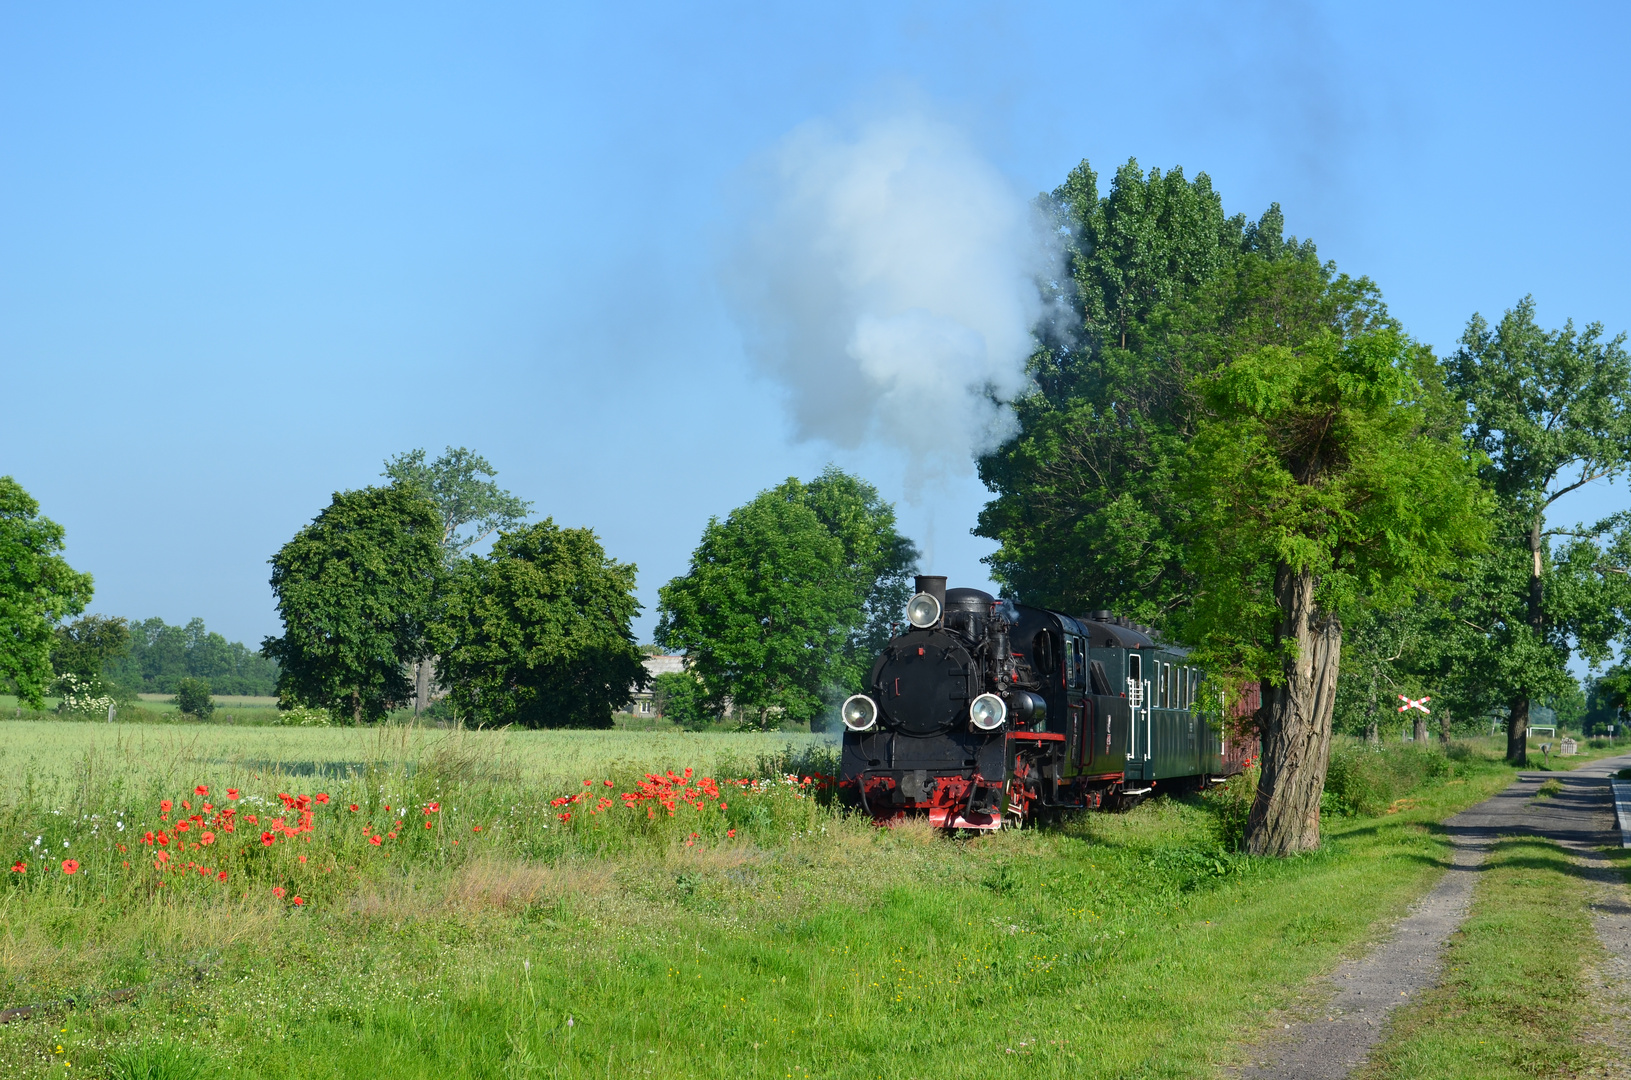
(986, 713)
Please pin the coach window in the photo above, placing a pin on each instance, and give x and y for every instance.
(1070, 662)
(1078, 650)
(1135, 673)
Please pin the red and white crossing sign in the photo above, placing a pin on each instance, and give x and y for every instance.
(1414, 703)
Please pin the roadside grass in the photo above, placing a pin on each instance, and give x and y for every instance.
(1512, 1002)
(806, 944)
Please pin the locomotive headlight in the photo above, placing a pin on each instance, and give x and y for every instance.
(987, 712)
(860, 713)
(923, 611)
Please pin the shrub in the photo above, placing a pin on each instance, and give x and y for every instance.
(85, 696)
(679, 697)
(1366, 782)
(1230, 803)
(193, 698)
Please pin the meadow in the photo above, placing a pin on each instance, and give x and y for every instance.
(410, 902)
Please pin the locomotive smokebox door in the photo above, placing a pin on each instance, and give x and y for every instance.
(922, 683)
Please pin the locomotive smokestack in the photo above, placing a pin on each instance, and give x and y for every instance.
(935, 586)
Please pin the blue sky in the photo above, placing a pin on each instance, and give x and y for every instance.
(247, 255)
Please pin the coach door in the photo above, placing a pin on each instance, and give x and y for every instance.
(1136, 688)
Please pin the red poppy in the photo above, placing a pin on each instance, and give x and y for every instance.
(387, 806)
(163, 840)
(435, 806)
(476, 829)
(586, 783)
(201, 790)
(70, 866)
(353, 808)
(222, 876)
(374, 840)
(277, 890)
(19, 868)
(302, 858)
(182, 826)
(608, 783)
(162, 858)
(185, 805)
(298, 901)
(207, 839)
(252, 819)
(322, 797)
(148, 839)
(229, 827)
(427, 825)
(232, 793)
(391, 835)
(731, 833)
(165, 804)
(268, 839)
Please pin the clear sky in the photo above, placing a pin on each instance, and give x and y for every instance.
(246, 255)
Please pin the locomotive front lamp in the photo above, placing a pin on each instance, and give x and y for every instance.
(987, 712)
(923, 611)
(859, 713)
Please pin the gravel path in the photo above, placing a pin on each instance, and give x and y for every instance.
(1580, 818)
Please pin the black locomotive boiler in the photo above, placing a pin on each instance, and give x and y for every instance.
(984, 713)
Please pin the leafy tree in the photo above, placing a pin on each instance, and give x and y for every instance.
(1552, 412)
(768, 610)
(538, 633)
(193, 698)
(37, 589)
(878, 560)
(1083, 507)
(680, 697)
(88, 647)
(1321, 478)
(355, 589)
(453, 482)
(1607, 697)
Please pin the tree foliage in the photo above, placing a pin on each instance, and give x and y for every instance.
(784, 599)
(355, 589)
(38, 589)
(538, 633)
(1083, 506)
(89, 647)
(453, 482)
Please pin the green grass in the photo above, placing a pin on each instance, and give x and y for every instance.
(806, 944)
(1513, 1001)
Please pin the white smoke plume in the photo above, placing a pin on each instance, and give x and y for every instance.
(888, 279)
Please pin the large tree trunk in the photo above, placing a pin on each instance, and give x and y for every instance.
(1517, 732)
(1418, 733)
(1517, 727)
(421, 686)
(1295, 720)
(356, 706)
(1444, 727)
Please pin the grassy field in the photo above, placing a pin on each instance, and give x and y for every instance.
(497, 929)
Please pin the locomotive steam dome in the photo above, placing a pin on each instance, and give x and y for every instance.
(922, 681)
